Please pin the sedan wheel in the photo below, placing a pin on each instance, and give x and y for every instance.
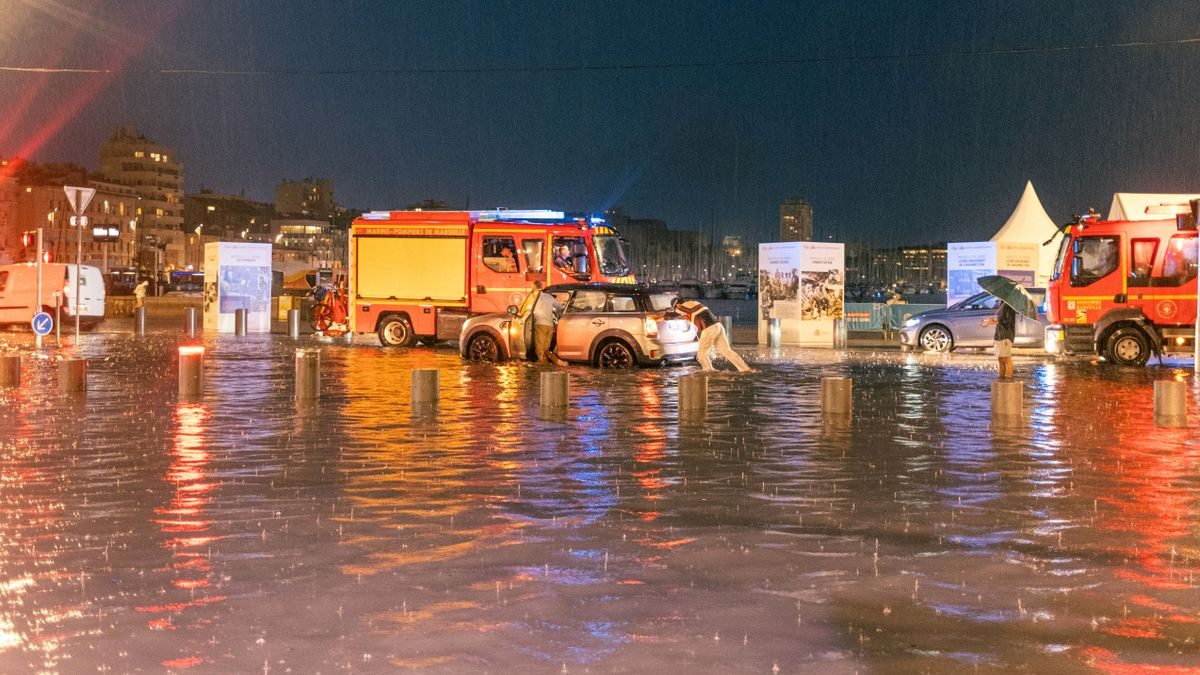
(936, 339)
(483, 347)
(615, 355)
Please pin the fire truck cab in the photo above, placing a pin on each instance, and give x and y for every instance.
(418, 275)
(1124, 289)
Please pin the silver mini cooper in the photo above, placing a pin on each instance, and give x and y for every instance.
(605, 325)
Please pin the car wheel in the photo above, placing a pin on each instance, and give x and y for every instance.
(936, 338)
(1127, 347)
(615, 354)
(396, 331)
(483, 348)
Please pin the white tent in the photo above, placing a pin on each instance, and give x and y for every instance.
(1133, 205)
(1029, 224)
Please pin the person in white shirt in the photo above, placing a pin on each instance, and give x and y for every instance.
(139, 293)
(545, 311)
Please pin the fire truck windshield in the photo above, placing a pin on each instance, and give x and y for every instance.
(1062, 255)
(611, 254)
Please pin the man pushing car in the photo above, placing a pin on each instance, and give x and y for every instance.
(712, 334)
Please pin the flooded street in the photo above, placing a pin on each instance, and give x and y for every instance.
(246, 532)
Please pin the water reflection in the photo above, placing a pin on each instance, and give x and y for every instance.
(243, 529)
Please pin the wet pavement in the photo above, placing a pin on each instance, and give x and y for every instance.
(245, 532)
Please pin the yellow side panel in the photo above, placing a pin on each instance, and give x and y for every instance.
(411, 268)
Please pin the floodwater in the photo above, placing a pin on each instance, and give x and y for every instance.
(243, 532)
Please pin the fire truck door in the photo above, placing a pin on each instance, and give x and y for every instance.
(1174, 282)
(1141, 256)
(498, 281)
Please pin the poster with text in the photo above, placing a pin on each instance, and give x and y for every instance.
(966, 262)
(822, 291)
(237, 276)
(779, 290)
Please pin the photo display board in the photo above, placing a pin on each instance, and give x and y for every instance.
(237, 276)
(966, 262)
(801, 283)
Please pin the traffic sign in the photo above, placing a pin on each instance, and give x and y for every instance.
(42, 323)
(79, 197)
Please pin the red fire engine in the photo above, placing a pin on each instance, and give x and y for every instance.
(418, 275)
(1125, 289)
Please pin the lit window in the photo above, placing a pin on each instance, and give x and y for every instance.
(139, 153)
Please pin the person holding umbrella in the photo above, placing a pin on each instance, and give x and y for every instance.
(1013, 298)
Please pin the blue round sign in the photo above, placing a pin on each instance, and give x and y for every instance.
(42, 323)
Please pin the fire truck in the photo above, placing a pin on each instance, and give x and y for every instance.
(1125, 289)
(418, 275)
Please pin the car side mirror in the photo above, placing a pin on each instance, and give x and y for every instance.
(512, 309)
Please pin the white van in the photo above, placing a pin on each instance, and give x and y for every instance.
(18, 293)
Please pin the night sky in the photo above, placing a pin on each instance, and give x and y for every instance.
(902, 122)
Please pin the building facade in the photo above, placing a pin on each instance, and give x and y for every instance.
(129, 158)
(308, 198)
(795, 220)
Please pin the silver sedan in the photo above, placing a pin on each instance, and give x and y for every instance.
(965, 325)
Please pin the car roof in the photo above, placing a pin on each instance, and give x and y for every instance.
(598, 286)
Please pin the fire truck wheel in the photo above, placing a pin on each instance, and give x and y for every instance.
(1127, 346)
(483, 347)
(396, 331)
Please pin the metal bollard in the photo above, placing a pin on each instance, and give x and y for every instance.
(836, 396)
(10, 371)
(139, 320)
(774, 332)
(191, 371)
(308, 373)
(189, 321)
(240, 320)
(1170, 403)
(727, 322)
(693, 393)
(839, 334)
(1008, 399)
(293, 323)
(554, 388)
(424, 385)
(72, 376)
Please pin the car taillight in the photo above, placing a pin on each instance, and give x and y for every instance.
(651, 326)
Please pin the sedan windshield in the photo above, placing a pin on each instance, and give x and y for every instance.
(611, 254)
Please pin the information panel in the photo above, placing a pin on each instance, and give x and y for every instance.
(802, 284)
(237, 276)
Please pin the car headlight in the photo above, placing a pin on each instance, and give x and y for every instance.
(911, 322)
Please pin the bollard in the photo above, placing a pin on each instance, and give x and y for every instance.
(424, 385)
(189, 321)
(293, 323)
(1170, 403)
(308, 373)
(1008, 399)
(240, 317)
(836, 396)
(191, 371)
(727, 322)
(554, 388)
(774, 332)
(693, 393)
(839, 334)
(10, 371)
(72, 376)
(139, 320)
